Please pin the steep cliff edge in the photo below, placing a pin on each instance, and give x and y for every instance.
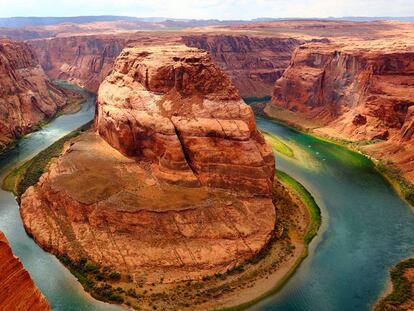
(82, 60)
(17, 290)
(186, 190)
(254, 63)
(356, 93)
(26, 94)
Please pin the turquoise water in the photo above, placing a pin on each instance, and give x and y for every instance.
(366, 228)
(56, 282)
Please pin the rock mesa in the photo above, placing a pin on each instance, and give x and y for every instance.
(176, 181)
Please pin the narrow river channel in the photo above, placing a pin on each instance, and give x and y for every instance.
(366, 227)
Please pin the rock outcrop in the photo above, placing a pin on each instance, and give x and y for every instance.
(17, 290)
(185, 189)
(254, 63)
(355, 93)
(197, 128)
(26, 94)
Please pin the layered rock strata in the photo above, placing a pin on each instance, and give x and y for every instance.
(254, 63)
(26, 94)
(355, 93)
(176, 181)
(17, 290)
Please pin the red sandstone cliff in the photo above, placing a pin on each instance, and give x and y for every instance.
(185, 189)
(355, 93)
(254, 63)
(17, 290)
(26, 94)
(83, 60)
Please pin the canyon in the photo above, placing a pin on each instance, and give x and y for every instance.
(357, 92)
(17, 290)
(27, 96)
(169, 125)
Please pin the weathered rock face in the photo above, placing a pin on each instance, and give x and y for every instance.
(83, 60)
(253, 63)
(354, 93)
(184, 192)
(17, 290)
(26, 94)
(176, 108)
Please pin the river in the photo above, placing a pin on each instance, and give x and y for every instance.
(366, 227)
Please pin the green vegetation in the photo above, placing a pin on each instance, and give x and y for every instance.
(28, 174)
(402, 288)
(395, 177)
(308, 200)
(387, 169)
(95, 279)
(278, 145)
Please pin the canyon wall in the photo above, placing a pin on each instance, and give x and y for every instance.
(26, 94)
(82, 60)
(355, 93)
(254, 63)
(17, 290)
(174, 184)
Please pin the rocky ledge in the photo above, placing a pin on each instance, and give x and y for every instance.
(17, 290)
(174, 184)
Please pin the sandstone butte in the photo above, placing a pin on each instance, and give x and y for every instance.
(360, 91)
(175, 183)
(26, 94)
(17, 290)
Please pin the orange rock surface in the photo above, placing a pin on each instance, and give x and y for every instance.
(356, 91)
(185, 190)
(17, 290)
(26, 94)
